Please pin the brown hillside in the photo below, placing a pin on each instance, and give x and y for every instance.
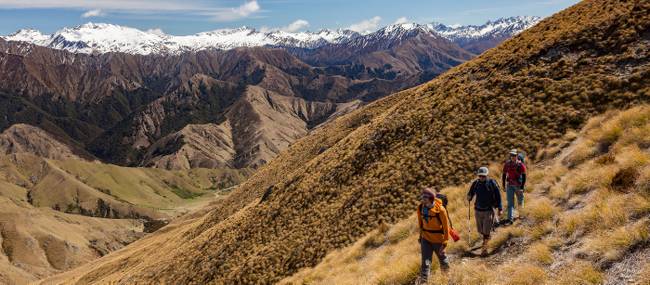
(131, 109)
(21, 138)
(580, 62)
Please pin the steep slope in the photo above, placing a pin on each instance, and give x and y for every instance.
(575, 185)
(272, 123)
(22, 138)
(578, 63)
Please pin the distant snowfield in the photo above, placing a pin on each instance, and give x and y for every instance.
(103, 38)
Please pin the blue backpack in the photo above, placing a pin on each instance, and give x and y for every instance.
(521, 156)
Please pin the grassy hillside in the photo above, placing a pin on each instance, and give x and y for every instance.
(57, 215)
(587, 221)
(528, 91)
(104, 190)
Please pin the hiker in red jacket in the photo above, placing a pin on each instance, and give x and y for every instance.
(514, 174)
(434, 232)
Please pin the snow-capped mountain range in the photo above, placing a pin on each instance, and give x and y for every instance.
(103, 38)
(500, 27)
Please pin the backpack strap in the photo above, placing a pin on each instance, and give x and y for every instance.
(420, 215)
(490, 185)
(451, 225)
(437, 217)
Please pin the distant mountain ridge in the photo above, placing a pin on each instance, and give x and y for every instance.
(152, 104)
(103, 38)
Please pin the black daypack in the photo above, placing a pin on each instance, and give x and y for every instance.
(492, 186)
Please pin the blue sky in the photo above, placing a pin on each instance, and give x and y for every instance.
(191, 16)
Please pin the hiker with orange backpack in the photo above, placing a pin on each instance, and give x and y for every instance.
(514, 174)
(488, 198)
(434, 232)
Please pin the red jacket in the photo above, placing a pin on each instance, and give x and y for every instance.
(513, 172)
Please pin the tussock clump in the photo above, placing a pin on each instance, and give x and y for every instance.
(613, 245)
(643, 182)
(471, 273)
(579, 272)
(522, 274)
(540, 210)
(500, 238)
(540, 253)
(624, 179)
(379, 237)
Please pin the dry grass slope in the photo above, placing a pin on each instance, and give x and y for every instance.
(528, 91)
(611, 232)
(41, 231)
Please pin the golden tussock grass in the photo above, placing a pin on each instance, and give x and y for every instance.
(614, 244)
(539, 210)
(500, 238)
(471, 272)
(578, 272)
(521, 274)
(395, 261)
(610, 224)
(540, 253)
(535, 232)
(643, 182)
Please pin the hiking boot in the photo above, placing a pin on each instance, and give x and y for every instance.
(420, 281)
(507, 222)
(484, 251)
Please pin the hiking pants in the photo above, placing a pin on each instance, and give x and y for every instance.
(428, 249)
(510, 196)
(484, 221)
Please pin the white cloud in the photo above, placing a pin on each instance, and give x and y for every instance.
(266, 29)
(366, 26)
(297, 25)
(156, 31)
(401, 20)
(93, 13)
(231, 14)
(121, 5)
(209, 9)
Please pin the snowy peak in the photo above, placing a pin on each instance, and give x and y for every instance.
(505, 27)
(103, 38)
(92, 37)
(27, 35)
